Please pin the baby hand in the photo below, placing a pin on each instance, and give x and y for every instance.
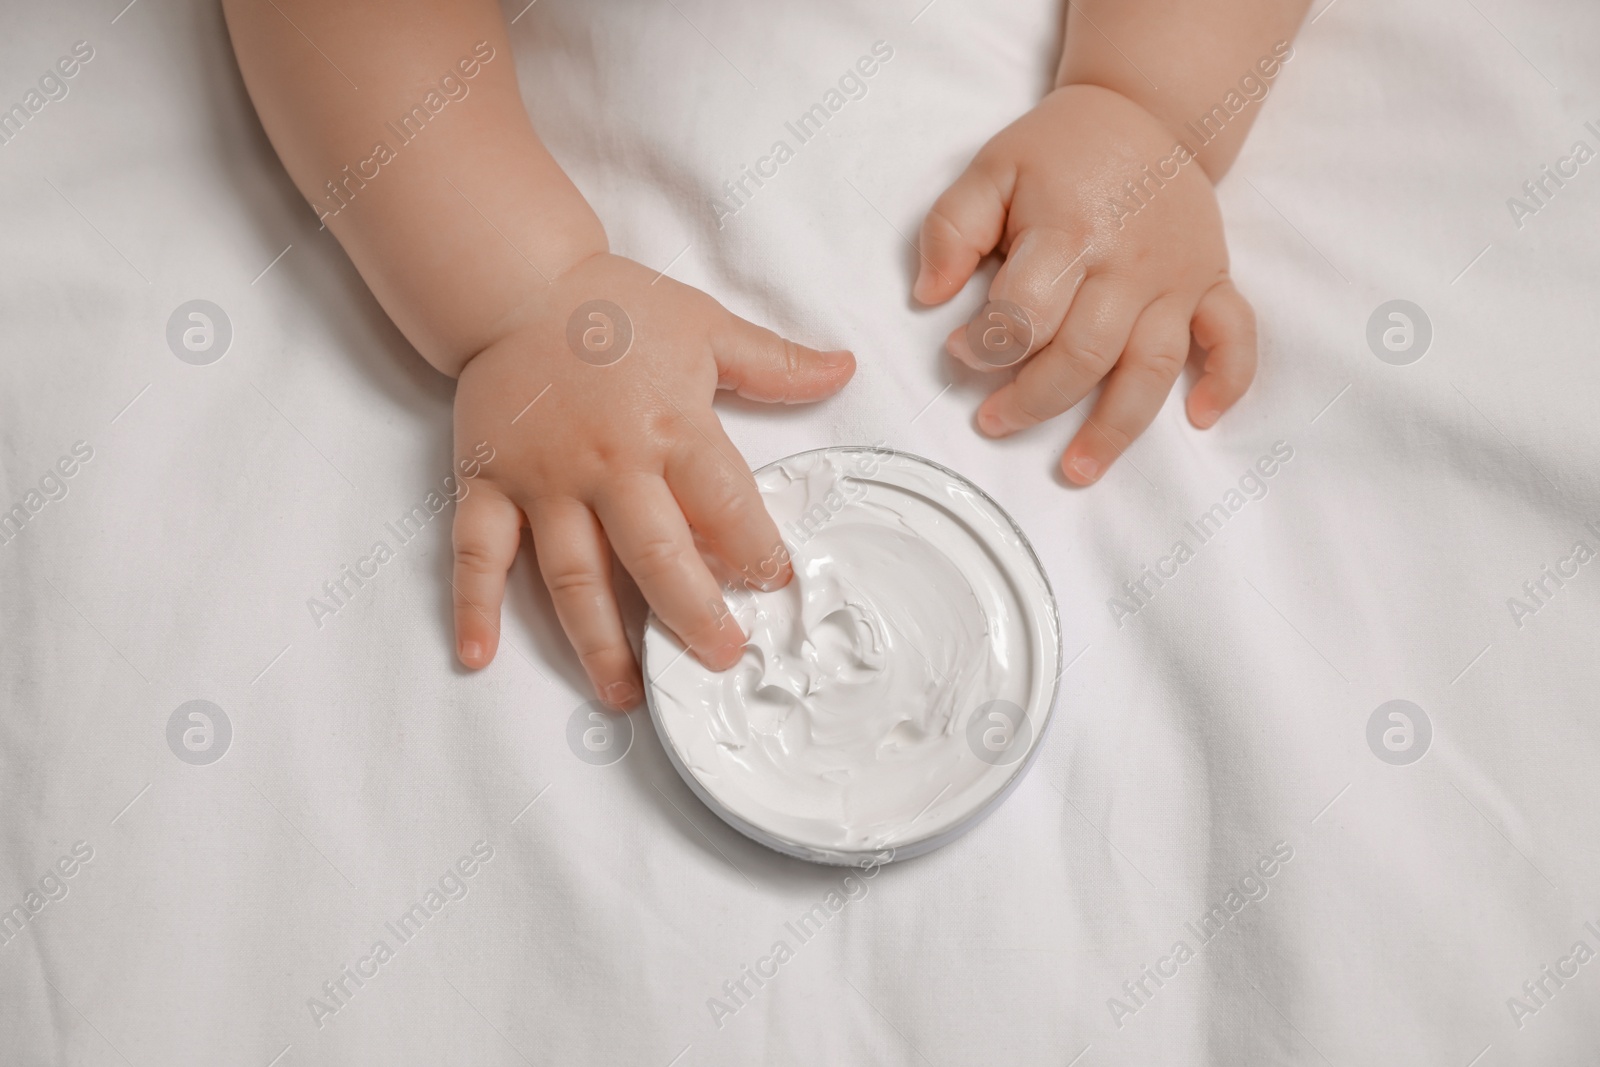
(620, 452)
(1112, 278)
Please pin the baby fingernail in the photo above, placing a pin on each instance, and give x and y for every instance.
(956, 345)
(1085, 469)
(471, 652)
(621, 695)
(1206, 417)
(838, 358)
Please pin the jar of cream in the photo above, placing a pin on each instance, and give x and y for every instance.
(893, 693)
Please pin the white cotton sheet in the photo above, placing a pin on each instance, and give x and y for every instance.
(1225, 719)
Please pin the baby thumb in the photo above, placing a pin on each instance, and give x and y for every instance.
(760, 365)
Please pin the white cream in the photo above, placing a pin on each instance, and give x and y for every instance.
(847, 727)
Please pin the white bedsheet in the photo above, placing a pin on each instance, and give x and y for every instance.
(1225, 718)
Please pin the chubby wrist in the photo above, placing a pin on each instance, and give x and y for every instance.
(1071, 86)
(561, 251)
(1209, 117)
(498, 276)
(1186, 144)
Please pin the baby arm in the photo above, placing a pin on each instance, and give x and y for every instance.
(483, 252)
(1101, 200)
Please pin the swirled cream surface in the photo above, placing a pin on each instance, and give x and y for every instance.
(863, 713)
